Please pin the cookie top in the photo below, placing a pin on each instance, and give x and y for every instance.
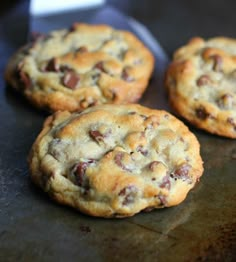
(115, 160)
(201, 82)
(81, 67)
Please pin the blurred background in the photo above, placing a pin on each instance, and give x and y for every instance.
(172, 22)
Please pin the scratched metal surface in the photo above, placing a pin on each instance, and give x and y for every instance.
(33, 228)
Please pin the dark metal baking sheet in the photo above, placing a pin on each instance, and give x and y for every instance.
(33, 228)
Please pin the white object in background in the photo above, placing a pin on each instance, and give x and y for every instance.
(46, 7)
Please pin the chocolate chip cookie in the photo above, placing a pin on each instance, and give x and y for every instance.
(201, 82)
(115, 160)
(81, 67)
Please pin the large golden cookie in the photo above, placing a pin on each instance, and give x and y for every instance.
(81, 67)
(116, 160)
(201, 82)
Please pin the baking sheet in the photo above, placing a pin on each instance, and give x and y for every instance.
(33, 228)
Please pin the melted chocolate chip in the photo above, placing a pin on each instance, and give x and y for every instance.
(118, 160)
(70, 80)
(79, 172)
(96, 135)
(162, 199)
(142, 150)
(25, 79)
(82, 49)
(65, 68)
(218, 63)
(165, 183)
(182, 173)
(201, 113)
(126, 76)
(129, 194)
(100, 66)
(203, 80)
(52, 66)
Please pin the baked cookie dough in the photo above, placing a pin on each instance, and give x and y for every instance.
(81, 67)
(116, 160)
(201, 83)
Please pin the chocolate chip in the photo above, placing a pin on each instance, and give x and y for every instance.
(162, 199)
(201, 113)
(126, 76)
(165, 183)
(153, 165)
(203, 80)
(70, 80)
(79, 171)
(52, 66)
(218, 62)
(80, 174)
(142, 150)
(114, 95)
(65, 68)
(118, 160)
(25, 79)
(182, 170)
(96, 135)
(82, 49)
(182, 173)
(129, 194)
(100, 66)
